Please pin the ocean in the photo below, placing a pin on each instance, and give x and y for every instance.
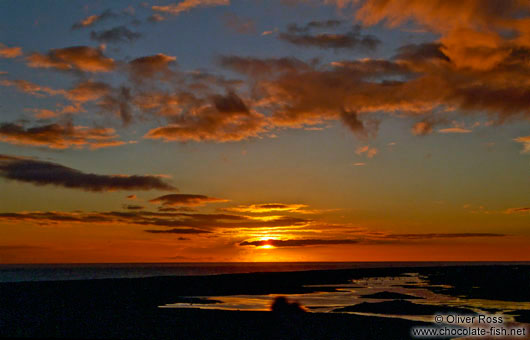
(61, 272)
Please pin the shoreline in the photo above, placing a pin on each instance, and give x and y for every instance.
(127, 308)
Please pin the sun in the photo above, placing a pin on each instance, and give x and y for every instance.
(265, 242)
(266, 246)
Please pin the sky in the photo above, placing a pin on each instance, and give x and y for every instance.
(264, 130)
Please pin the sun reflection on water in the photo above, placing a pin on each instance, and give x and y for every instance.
(352, 294)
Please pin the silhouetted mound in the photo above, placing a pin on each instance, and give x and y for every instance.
(282, 305)
(390, 295)
(402, 307)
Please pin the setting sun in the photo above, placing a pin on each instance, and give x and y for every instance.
(266, 246)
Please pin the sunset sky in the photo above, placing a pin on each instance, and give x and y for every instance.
(264, 130)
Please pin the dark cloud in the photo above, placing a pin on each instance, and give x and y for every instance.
(363, 129)
(178, 231)
(517, 210)
(421, 52)
(149, 66)
(180, 220)
(59, 136)
(324, 24)
(115, 35)
(230, 103)
(297, 243)
(133, 207)
(350, 40)
(442, 235)
(118, 102)
(176, 209)
(156, 18)
(186, 200)
(384, 239)
(374, 69)
(48, 173)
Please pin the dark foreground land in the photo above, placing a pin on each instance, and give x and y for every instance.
(127, 308)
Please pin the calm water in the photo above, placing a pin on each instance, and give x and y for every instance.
(357, 292)
(50, 272)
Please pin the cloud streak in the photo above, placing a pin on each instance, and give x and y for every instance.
(271, 207)
(48, 173)
(94, 19)
(187, 5)
(59, 136)
(186, 200)
(179, 220)
(178, 231)
(350, 40)
(381, 240)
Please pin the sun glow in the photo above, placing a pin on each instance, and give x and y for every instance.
(266, 246)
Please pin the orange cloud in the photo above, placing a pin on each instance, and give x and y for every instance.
(93, 19)
(46, 113)
(88, 91)
(526, 143)
(80, 58)
(270, 207)
(187, 5)
(226, 119)
(422, 128)
(454, 130)
(10, 52)
(81, 92)
(367, 151)
(471, 30)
